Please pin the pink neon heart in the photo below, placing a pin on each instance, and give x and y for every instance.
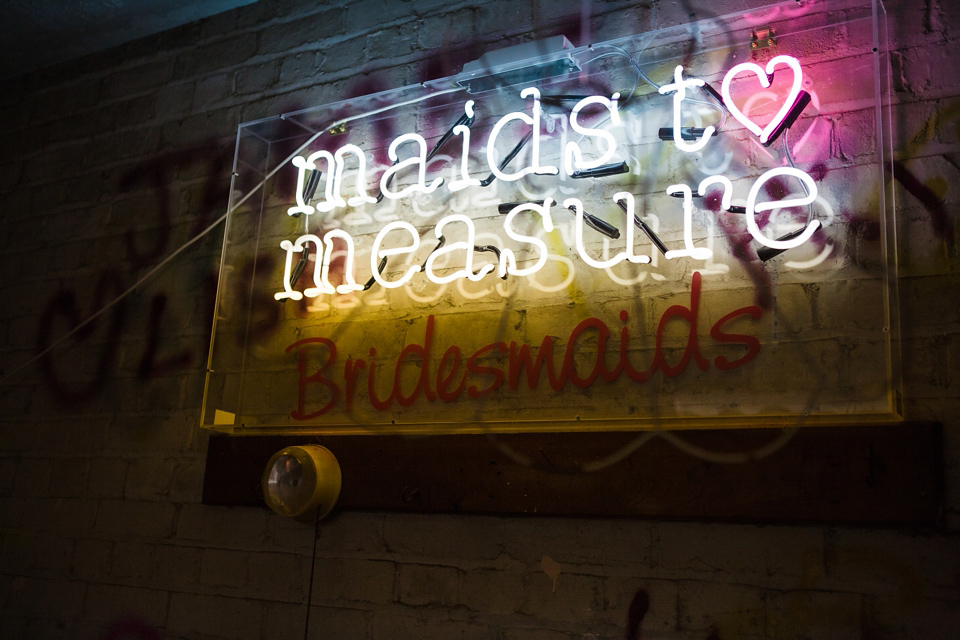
(762, 75)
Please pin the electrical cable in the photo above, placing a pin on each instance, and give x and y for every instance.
(313, 566)
(787, 154)
(120, 297)
(230, 209)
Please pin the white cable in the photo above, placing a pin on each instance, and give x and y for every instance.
(210, 228)
(120, 297)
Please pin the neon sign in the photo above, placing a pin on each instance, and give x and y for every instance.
(610, 236)
(574, 162)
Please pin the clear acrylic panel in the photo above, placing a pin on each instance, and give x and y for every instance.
(529, 246)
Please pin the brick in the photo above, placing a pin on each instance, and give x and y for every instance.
(8, 470)
(903, 616)
(535, 633)
(91, 559)
(492, 592)
(138, 79)
(576, 598)
(255, 78)
(9, 174)
(391, 43)
(110, 604)
(734, 610)
(243, 527)
(125, 519)
(619, 594)
(174, 100)
(428, 585)
(856, 133)
(329, 622)
(194, 614)
(345, 55)
(223, 568)
(128, 144)
(889, 563)
(767, 556)
(286, 620)
(18, 550)
(132, 560)
(54, 555)
(33, 477)
(629, 20)
(107, 477)
(402, 626)
(494, 20)
(814, 615)
(63, 100)
(287, 534)
(264, 11)
(302, 67)
(176, 567)
(451, 29)
(212, 90)
(186, 485)
(198, 128)
(168, 433)
(216, 56)
(279, 576)
(367, 15)
(353, 579)
(47, 598)
(442, 537)
(68, 517)
(217, 25)
(306, 32)
(148, 479)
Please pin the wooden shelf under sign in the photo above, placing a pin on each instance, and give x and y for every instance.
(887, 475)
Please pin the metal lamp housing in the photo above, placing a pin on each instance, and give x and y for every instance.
(302, 482)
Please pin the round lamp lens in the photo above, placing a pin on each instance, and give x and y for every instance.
(302, 482)
(285, 483)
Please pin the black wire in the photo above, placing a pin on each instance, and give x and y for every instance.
(313, 565)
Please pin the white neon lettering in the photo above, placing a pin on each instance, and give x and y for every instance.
(725, 199)
(680, 86)
(420, 159)
(530, 244)
(288, 291)
(627, 197)
(762, 76)
(578, 238)
(350, 284)
(301, 207)
(462, 130)
(688, 250)
(573, 158)
(534, 122)
(828, 247)
(310, 163)
(320, 286)
(467, 245)
(361, 197)
(753, 208)
(508, 259)
(377, 254)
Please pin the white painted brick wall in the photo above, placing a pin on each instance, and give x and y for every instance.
(100, 522)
